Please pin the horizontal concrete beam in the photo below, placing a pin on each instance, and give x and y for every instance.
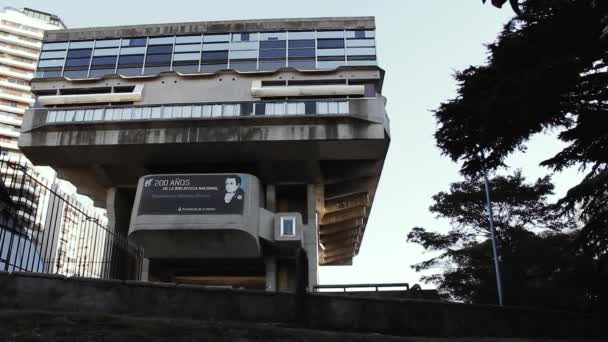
(344, 215)
(353, 233)
(340, 227)
(347, 202)
(348, 188)
(338, 260)
(340, 244)
(306, 90)
(134, 96)
(338, 251)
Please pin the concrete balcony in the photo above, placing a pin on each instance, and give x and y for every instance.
(25, 99)
(18, 52)
(19, 64)
(20, 75)
(21, 32)
(17, 41)
(16, 86)
(10, 109)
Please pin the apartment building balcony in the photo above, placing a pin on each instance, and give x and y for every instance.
(16, 74)
(13, 50)
(25, 98)
(11, 39)
(23, 65)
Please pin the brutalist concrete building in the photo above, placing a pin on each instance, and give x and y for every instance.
(226, 148)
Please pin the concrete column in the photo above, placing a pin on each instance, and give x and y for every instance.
(145, 269)
(310, 236)
(271, 198)
(118, 205)
(271, 274)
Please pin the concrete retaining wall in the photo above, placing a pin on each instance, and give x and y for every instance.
(31, 291)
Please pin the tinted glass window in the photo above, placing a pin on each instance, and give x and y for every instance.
(243, 66)
(243, 54)
(276, 53)
(216, 37)
(81, 45)
(105, 52)
(215, 47)
(330, 43)
(155, 70)
(188, 39)
(75, 73)
(107, 43)
(101, 72)
(55, 46)
(132, 50)
(244, 46)
(330, 34)
(77, 62)
(79, 53)
(301, 43)
(52, 54)
(135, 59)
(360, 42)
(51, 63)
(160, 40)
(301, 53)
(104, 61)
(220, 55)
(301, 35)
(186, 56)
(302, 64)
(330, 52)
(244, 37)
(186, 69)
(272, 65)
(160, 49)
(213, 67)
(188, 48)
(129, 71)
(272, 44)
(361, 51)
(273, 36)
(158, 59)
(134, 41)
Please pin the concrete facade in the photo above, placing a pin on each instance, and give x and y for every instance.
(313, 137)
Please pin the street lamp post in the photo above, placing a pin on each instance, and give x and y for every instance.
(492, 232)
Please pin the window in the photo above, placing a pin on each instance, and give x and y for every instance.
(288, 226)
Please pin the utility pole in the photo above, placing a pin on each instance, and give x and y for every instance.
(492, 230)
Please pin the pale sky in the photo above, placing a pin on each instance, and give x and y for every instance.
(421, 43)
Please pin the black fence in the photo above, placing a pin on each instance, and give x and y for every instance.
(43, 229)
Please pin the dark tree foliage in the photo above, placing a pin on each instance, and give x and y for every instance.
(514, 4)
(548, 69)
(541, 266)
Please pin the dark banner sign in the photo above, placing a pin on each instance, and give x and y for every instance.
(192, 195)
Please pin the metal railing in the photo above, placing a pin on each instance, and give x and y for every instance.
(362, 287)
(51, 232)
(197, 110)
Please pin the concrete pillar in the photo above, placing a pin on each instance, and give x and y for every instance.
(271, 198)
(310, 236)
(118, 206)
(271, 274)
(145, 269)
(119, 210)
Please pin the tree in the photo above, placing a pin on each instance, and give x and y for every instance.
(541, 265)
(548, 69)
(514, 4)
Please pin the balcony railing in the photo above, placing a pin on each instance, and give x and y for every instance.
(202, 111)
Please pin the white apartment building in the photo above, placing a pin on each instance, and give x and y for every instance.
(21, 32)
